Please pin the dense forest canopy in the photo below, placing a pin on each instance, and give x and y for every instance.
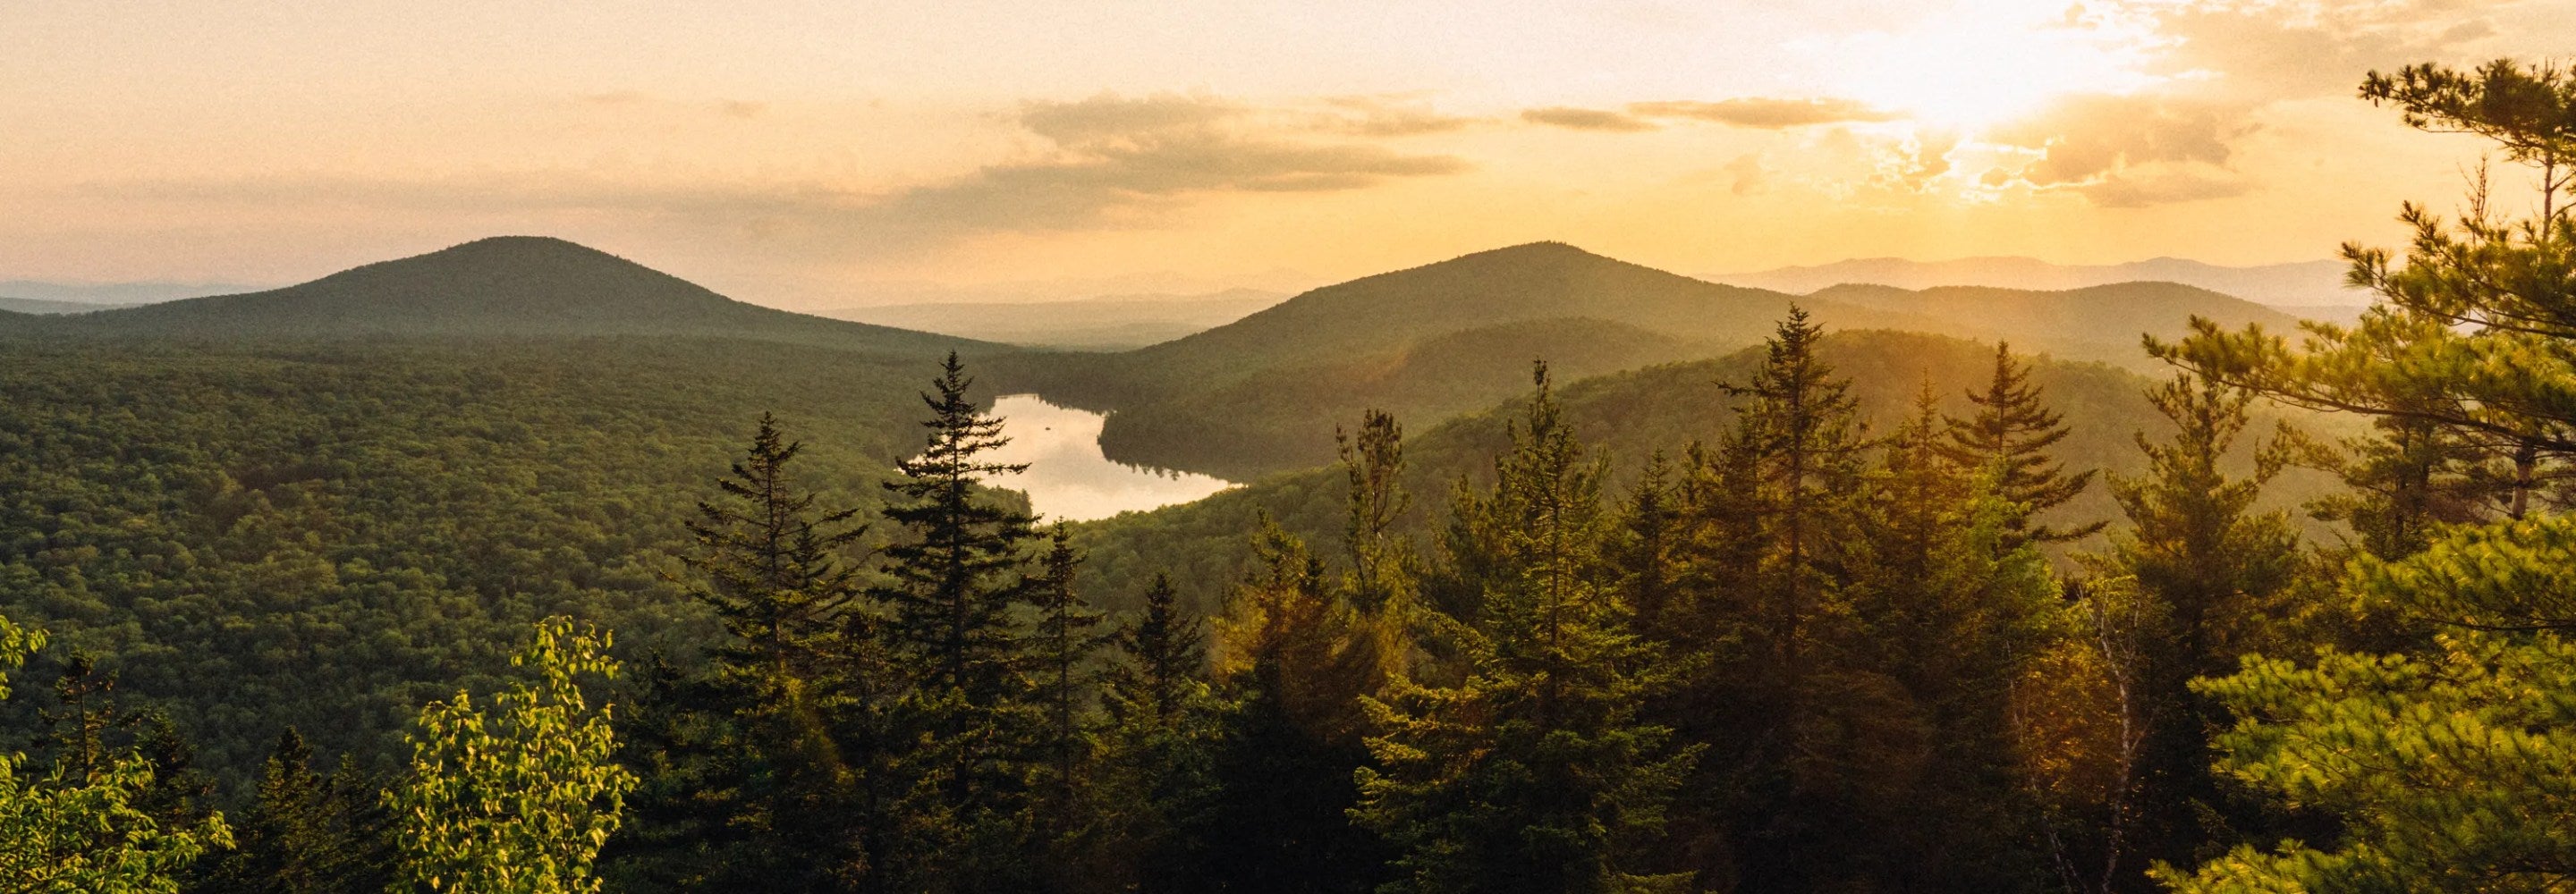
(500, 598)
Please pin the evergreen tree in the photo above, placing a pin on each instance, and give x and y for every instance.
(960, 561)
(2213, 568)
(1166, 652)
(2011, 432)
(1801, 428)
(2474, 296)
(769, 561)
(2448, 769)
(1650, 545)
(1063, 649)
(757, 770)
(1156, 777)
(1295, 656)
(956, 572)
(1534, 773)
(1381, 561)
(306, 832)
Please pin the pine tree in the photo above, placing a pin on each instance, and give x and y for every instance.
(2448, 769)
(1534, 773)
(2011, 432)
(2474, 296)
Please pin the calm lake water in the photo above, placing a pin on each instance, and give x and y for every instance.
(1068, 479)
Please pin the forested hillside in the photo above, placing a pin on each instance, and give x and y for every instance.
(1629, 417)
(1239, 401)
(319, 536)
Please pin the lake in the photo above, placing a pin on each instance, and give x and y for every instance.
(1068, 478)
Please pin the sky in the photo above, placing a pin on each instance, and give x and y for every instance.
(830, 154)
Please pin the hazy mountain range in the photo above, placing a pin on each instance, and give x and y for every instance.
(1108, 322)
(121, 293)
(41, 306)
(2294, 285)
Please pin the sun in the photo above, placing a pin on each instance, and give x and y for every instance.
(1985, 65)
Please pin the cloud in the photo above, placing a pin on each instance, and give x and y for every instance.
(741, 108)
(1585, 119)
(2087, 137)
(1765, 113)
(1104, 162)
(2295, 49)
(1391, 115)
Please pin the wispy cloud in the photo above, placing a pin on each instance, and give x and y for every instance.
(1104, 162)
(1586, 119)
(1765, 113)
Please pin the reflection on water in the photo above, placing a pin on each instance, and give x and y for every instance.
(1068, 479)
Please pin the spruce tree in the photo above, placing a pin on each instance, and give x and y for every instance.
(1534, 772)
(771, 570)
(757, 774)
(957, 572)
(1649, 547)
(1063, 651)
(1165, 651)
(306, 832)
(960, 559)
(1800, 429)
(1156, 778)
(2010, 433)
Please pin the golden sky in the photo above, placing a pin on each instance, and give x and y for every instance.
(817, 154)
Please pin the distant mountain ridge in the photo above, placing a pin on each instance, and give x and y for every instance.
(42, 306)
(1107, 322)
(116, 294)
(504, 286)
(2297, 284)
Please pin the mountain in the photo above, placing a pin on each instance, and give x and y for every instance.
(118, 294)
(1626, 417)
(47, 308)
(1244, 400)
(508, 286)
(2097, 322)
(2304, 283)
(1109, 322)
